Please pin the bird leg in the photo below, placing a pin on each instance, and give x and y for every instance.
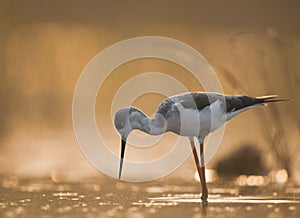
(200, 169)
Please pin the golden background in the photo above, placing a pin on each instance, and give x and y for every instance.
(253, 46)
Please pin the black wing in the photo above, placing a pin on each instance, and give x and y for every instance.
(199, 101)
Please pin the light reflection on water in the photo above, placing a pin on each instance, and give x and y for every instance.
(111, 198)
(220, 199)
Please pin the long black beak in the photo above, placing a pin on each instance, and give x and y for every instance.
(123, 145)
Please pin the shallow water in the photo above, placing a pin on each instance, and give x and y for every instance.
(164, 198)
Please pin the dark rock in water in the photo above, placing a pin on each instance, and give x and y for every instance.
(247, 160)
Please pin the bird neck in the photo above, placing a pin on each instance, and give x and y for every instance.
(158, 125)
(151, 126)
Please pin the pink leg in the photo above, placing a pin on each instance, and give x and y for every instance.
(200, 169)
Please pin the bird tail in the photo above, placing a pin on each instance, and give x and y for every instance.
(271, 98)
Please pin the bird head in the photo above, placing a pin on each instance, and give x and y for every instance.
(126, 120)
(122, 122)
(123, 126)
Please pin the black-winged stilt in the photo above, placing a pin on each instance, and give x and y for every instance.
(189, 114)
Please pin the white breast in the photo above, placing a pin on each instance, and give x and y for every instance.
(200, 123)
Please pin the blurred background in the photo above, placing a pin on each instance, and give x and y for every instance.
(254, 48)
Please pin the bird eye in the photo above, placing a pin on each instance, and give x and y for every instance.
(119, 125)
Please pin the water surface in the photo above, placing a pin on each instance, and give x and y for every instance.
(164, 198)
